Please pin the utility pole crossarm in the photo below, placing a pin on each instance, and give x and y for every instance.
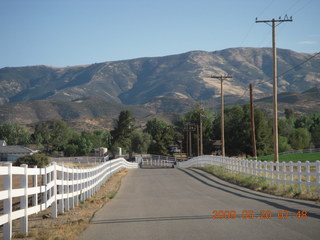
(222, 76)
(285, 19)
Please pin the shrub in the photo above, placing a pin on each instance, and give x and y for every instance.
(38, 159)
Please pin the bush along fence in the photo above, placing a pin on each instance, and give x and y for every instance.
(305, 174)
(60, 187)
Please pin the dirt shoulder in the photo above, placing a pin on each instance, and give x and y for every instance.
(70, 224)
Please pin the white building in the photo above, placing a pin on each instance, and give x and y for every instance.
(12, 153)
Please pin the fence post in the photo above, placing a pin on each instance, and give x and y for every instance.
(72, 189)
(76, 177)
(271, 173)
(299, 175)
(7, 203)
(81, 185)
(308, 176)
(67, 189)
(54, 204)
(278, 173)
(45, 194)
(284, 175)
(110, 168)
(318, 176)
(24, 199)
(35, 185)
(61, 191)
(291, 172)
(247, 165)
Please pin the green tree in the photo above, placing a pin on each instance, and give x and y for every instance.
(100, 138)
(162, 135)
(283, 144)
(288, 113)
(316, 136)
(238, 131)
(14, 134)
(52, 134)
(286, 126)
(140, 142)
(263, 129)
(123, 128)
(300, 138)
(38, 159)
(207, 117)
(79, 144)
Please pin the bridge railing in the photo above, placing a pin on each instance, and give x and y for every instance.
(306, 173)
(57, 186)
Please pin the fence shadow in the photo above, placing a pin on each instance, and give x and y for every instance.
(251, 195)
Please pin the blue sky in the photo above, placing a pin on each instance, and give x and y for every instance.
(74, 32)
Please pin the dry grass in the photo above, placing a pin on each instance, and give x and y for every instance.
(263, 185)
(70, 224)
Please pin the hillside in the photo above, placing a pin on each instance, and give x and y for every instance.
(91, 96)
(155, 81)
(81, 114)
(301, 103)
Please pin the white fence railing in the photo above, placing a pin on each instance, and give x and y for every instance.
(57, 186)
(79, 160)
(155, 161)
(306, 173)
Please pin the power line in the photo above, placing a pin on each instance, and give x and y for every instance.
(283, 73)
(289, 70)
(307, 60)
(253, 23)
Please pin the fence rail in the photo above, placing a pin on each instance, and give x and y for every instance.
(307, 173)
(313, 150)
(155, 161)
(80, 160)
(62, 188)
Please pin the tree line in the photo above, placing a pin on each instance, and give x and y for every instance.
(295, 132)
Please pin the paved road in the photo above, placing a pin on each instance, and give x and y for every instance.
(178, 204)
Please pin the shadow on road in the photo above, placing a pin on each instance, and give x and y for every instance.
(152, 219)
(249, 194)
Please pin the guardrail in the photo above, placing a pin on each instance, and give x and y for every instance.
(62, 188)
(307, 173)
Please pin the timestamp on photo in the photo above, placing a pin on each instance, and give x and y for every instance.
(262, 214)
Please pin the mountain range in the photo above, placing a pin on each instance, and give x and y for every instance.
(156, 85)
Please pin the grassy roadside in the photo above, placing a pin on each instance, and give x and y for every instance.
(69, 225)
(260, 184)
(302, 157)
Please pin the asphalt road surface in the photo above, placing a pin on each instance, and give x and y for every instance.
(180, 203)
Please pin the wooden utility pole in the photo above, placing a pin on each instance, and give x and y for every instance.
(201, 140)
(222, 77)
(198, 140)
(187, 140)
(190, 140)
(253, 132)
(275, 22)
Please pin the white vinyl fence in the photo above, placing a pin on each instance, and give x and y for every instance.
(57, 186)
(155, 161)
(79, 160)
(307, 173)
